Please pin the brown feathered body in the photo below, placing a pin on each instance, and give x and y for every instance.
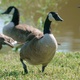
(21, 32)
(39, 51)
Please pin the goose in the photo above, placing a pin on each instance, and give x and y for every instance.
(19, 32)
(41, 49)
(5, 40)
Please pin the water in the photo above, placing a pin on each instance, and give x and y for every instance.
(1, 25)
(70, 28)
(68, 31)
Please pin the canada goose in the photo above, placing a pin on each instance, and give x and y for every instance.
(40, 50)
(19, 32)
(5, 40)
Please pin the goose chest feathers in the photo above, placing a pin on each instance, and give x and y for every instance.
(40, 50)
(19, 32)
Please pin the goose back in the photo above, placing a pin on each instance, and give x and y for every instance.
(21, 32)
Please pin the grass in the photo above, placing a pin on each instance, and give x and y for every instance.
(64, 66)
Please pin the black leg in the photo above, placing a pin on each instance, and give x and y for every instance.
(43, 68)
(24, 66)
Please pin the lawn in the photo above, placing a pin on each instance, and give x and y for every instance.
(64, 66)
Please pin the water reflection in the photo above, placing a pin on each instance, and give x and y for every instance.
(68, 44)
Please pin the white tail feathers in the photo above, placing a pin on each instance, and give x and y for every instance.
(14, 43)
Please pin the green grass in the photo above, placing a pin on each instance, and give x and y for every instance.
(64, 66)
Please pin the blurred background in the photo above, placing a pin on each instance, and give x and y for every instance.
(34, 12)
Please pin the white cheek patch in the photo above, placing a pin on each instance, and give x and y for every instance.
(12, 11)
(51, 18)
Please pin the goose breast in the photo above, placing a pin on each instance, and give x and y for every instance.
(39, 51)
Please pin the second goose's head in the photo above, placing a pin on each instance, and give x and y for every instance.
(54, 15)
(13, 11)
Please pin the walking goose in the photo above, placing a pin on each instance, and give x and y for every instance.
(5, 40)
(40, 50)
(19, 32)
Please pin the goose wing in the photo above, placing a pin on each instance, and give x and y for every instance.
(29, 31)
(6, 40)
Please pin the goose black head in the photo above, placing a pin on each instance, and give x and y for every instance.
(10, 10)
(13, 11)
(54, 15)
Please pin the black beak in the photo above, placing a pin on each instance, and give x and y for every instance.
(5, 12)
(59, 18)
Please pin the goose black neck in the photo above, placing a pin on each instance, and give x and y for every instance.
(15, 18)
(47, 26)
